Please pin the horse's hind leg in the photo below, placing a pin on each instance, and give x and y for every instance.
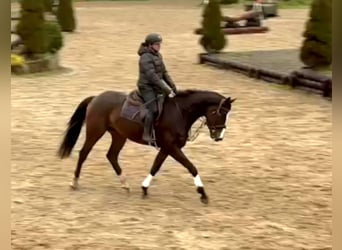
(118, 142)
(93, 133)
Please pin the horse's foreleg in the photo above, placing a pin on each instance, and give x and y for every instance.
(158, 161)
(179, 156)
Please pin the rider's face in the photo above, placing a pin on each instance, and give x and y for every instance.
(156, 46)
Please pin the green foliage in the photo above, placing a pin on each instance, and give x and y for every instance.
(54, 36)
(316, 49)
(32, 5)
(30, 27)
(294, 3)
(213, 38)
(48, 5)
(228, 1)
(65, 16)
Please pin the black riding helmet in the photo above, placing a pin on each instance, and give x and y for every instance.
(153, 38)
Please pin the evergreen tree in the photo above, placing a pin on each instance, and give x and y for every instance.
(65, 16)
(213, 39)
(48, 5)
(55, 37)
(316, 49)
(30, 27)
(228, 1)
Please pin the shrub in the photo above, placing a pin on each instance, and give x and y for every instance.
(32, 5)
(54, 37)
(316, 50)
(30, 27)
(48, 5)
(65, 16)
(213, 38)
(228, 1)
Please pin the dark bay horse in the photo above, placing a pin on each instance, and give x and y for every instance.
(102, 113)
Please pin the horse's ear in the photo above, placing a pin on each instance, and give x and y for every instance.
(229, 100)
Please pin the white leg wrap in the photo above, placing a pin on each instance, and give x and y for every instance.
(147, 181)
(198, 181)
(74, 183)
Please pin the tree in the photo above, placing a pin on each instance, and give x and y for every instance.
(65, 16)
(316, 50)
(48, 5)
(30, 27)
(54, 36)
(213, 38)
(228, 1)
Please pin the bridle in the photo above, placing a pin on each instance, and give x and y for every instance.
(218, 113)
(193, 136)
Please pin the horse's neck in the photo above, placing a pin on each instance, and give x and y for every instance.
(193, 115)
(196, 106)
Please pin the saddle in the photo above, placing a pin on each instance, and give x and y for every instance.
(135, 110)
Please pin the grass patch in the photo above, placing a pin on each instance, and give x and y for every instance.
(282, 60)
(18, 1)
(326, 71)
(286, 4)
(294, 4)
(111, 0)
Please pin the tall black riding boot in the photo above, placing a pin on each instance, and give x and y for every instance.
(147, 136)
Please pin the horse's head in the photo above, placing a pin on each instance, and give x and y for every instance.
(217, 117)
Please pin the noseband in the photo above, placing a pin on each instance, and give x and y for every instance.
(218, 113)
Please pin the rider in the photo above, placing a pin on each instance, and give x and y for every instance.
(153, 79)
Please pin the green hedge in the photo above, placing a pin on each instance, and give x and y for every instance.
(54, 36)
(228, 1)
(316, 50)
(213, 38)
(65, 16)
(30, 27)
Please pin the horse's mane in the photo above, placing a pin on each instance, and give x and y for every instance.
(188, 92)
(185, 92)
(186, 98)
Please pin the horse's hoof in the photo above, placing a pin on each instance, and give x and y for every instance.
(128, 190)
(204, 200)
(73, 186)
(144, 194)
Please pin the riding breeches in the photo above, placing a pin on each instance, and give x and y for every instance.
(150, 99)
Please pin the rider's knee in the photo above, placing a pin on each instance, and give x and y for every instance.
(153, 108)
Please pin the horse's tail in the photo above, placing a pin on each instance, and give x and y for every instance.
(74, 128)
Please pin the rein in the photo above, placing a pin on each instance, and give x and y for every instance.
(192, 136)
(153, 100)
